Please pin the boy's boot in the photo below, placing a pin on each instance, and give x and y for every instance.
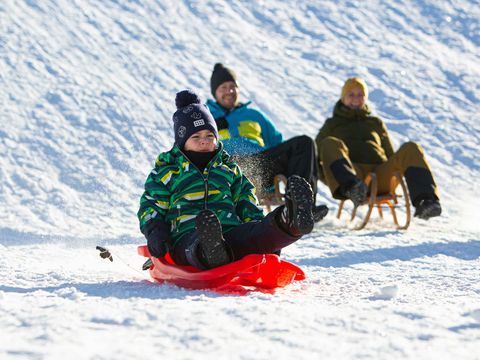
(428, 208)
(296, 217)
(357, 192)
(209, 249)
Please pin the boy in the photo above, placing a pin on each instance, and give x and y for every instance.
(353, 143)
(198, 205)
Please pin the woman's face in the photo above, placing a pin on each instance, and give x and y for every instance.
(354, 99)
(201, 141)
(227, 95)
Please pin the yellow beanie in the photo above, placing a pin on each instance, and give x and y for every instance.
(353, 83)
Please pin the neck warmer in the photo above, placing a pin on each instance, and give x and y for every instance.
(200, 159)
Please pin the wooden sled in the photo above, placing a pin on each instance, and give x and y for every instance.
(264, 271)
(391, 199)
(277, 197)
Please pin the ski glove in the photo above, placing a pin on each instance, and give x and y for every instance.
(157, 234)
(222, 123)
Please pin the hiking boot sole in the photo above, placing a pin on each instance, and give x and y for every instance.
(302, 201)
(211, 243)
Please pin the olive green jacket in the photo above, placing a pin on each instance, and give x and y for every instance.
(365, 136)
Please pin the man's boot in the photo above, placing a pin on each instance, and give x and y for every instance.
(428, 208)
(357, 192)
(319, 212)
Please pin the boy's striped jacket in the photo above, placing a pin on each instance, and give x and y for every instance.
(176, 191)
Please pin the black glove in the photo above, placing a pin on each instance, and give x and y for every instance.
(157, 234)
(104, 253)
(319, 212)
(222, 123)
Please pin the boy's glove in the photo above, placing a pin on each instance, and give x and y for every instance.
(147, 264)
(157, 234)
(104, 253)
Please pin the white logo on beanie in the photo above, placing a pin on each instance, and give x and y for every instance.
(196, 115)
(181, 131)
(197, 123)
(187, 109)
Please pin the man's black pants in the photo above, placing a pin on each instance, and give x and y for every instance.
(296, 156)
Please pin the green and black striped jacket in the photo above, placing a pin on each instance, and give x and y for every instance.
(176, 191)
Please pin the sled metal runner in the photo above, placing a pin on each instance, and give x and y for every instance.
(391, 199)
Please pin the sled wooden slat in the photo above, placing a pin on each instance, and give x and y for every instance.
(276, 198)
(391, 200)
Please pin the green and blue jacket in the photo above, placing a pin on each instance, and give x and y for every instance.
(176, 191)
(249, 131)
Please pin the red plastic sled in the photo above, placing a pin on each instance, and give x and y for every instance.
(265, 271)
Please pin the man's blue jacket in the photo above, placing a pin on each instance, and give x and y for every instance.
(249, 130)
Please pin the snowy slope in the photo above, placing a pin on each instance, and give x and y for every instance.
(87, 95)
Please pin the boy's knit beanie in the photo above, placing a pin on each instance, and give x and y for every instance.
(191, 116)
(355, 82)
(220, 75)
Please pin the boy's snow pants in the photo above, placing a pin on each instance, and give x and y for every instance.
(254, 237)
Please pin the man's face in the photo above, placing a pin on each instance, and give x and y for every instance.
(227, 95)
(201, 141)
(354, 99)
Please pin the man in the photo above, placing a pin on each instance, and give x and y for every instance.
(353, 143)
(254, 141)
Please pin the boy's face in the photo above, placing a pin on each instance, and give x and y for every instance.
(227, 95)
(354, 99)
(201, 141)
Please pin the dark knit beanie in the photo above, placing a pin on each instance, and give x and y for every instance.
(191, 116)
(220, 75)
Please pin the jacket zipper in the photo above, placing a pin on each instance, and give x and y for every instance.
(205, 179)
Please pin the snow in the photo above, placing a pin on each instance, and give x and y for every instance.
(87, 96)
